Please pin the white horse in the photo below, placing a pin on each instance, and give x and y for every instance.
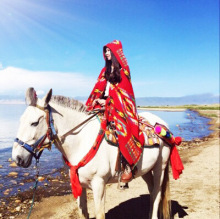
(68, 113)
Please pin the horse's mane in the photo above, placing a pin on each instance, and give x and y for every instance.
(69, 103)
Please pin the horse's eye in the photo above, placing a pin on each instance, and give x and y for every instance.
(35, 123)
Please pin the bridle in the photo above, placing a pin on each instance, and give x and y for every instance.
(37, 148)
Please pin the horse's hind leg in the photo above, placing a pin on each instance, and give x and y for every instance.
(158, 174)
(98, 188)
(156, 195)
(149, 179)
(82, 205)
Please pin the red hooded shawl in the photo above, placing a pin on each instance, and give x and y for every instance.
(120, 107)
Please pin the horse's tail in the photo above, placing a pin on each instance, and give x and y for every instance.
(165, 207)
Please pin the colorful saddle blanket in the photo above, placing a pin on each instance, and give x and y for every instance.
(153, 134)
(151, 138)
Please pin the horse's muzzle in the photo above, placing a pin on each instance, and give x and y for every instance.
(22, 162)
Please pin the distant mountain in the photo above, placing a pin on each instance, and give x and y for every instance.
(143, 101)
(175, 101)
(171, 101)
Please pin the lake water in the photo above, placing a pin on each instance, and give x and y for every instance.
(187, 124)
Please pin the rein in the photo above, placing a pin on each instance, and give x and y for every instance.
(62, 138)
(37, 148)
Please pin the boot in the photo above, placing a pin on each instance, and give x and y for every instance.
(127, 174)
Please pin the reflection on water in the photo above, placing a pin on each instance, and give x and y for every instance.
(185, 124)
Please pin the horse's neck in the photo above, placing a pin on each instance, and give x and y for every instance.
(76, 145)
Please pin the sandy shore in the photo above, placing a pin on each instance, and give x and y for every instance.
(194, 195)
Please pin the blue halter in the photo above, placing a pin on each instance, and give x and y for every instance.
(34, 148)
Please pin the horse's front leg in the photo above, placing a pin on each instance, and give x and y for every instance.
(98, 187)
(82, 205)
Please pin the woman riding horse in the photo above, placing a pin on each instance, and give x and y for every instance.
(114, 92)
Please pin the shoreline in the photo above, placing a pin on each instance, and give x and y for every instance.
(60, 186)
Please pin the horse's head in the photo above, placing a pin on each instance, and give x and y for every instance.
(33, 125)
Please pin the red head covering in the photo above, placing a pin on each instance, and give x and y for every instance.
(116, 48)
(120, 107)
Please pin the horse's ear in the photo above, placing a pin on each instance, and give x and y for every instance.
(31, 97)
(47, 98)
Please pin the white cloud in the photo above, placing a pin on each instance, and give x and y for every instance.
(17, 80)
(1, 66)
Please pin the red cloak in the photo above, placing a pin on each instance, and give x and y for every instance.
(120, 107)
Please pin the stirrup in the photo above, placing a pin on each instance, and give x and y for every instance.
(121, 185)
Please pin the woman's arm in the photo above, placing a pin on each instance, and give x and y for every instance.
(99, 101)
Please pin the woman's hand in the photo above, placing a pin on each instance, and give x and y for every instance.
(101, 102)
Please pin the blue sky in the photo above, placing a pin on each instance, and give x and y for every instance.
(172, 47)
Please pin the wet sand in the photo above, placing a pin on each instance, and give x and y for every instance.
(194, 195)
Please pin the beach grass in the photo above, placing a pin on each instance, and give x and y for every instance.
(191, 106)
(209, 115)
